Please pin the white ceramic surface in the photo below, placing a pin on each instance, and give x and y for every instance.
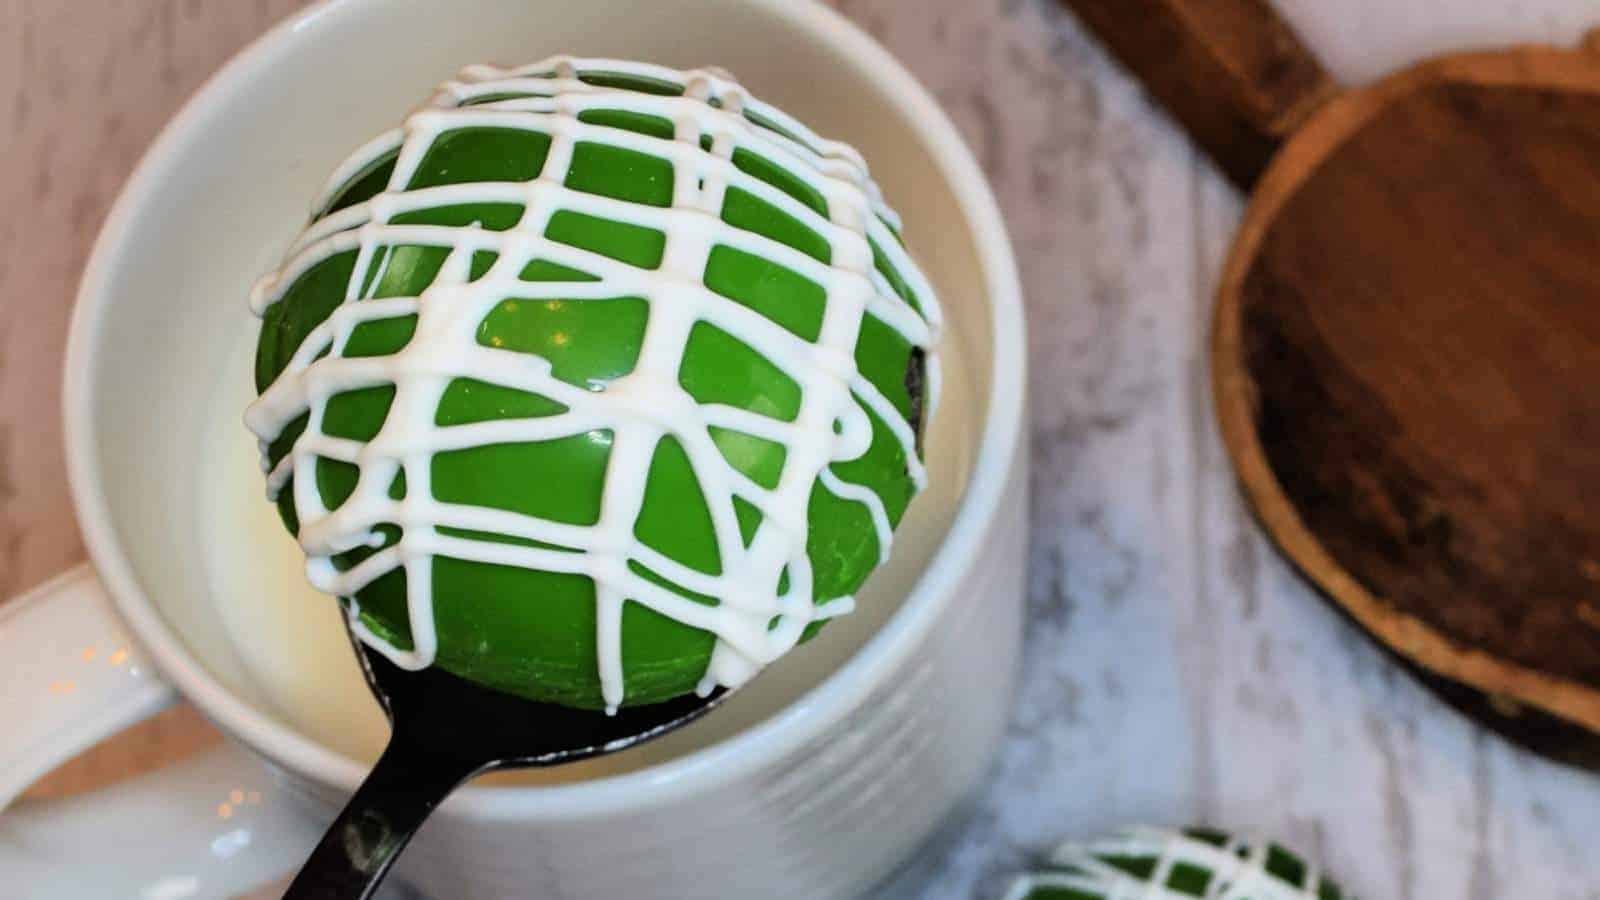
(214, 826)
(73, 676)
(821, 799)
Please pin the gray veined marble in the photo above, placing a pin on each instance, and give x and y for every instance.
(1176, 669)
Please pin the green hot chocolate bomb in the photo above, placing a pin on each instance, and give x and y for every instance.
(1171, 864)
(595, 383)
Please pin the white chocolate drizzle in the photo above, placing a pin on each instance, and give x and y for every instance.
(754, 623)
(1233, 867)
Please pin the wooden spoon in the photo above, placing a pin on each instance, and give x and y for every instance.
(1406, 352)
(447, 730)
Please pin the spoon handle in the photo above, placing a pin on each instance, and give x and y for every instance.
(404, 787)
(1233, 72)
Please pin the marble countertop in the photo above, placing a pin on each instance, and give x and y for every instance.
(1176, 669)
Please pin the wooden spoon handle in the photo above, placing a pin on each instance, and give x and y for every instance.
(1231, 71)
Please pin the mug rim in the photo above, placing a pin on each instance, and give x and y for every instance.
(819, 708)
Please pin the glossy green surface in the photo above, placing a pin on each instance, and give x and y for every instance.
(533, 632)
(1192, 863)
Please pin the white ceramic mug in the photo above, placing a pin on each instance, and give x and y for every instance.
(819, 799)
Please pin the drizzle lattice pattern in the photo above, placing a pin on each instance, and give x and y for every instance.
(754, 622)
(1162, 864)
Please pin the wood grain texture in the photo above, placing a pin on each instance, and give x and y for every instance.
(1232, 71)
(1175, 669)
(1405, 329)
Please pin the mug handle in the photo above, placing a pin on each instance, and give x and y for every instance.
(215, 826)
(74, 677)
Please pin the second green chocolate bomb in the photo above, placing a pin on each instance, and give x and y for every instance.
(596, 382)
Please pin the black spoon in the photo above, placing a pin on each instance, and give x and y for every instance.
(445, 731)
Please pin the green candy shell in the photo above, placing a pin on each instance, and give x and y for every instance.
(1165, 864)
(531, 632)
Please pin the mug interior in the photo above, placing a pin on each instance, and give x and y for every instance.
(221, 194)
